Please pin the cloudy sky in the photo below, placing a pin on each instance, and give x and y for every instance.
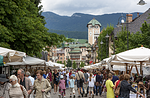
(95, 7)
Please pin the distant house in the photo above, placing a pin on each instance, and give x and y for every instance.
(61, 55)
(76, 52)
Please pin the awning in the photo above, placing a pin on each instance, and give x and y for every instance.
(11, 55)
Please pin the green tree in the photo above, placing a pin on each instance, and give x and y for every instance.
(74, 66)
(135, 40)
(69, 63)
(82, 64)
(60, 62)
(65, 63)
(102, 48)
(21, 29)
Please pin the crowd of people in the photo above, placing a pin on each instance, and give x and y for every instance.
(89, 84)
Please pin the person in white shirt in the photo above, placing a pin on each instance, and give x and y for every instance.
(29, 76)
(91, 81)
(64, 71)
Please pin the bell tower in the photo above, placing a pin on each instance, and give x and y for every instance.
(93, 30)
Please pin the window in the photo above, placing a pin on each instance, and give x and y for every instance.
(60, 54)
(90, 27)
(96, 27)
(90, 33)
(66, 50)
(61, 58)
(82, 50)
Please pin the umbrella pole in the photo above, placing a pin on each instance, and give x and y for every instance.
(141, 72)
(126, 68)
(130, 70)
(137, 70)
(26, 68)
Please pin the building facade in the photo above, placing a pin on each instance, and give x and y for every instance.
(61, 55)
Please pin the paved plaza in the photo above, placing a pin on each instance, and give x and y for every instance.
(76, 93)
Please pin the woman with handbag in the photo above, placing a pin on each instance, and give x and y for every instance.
(16, 90)
(41, 86)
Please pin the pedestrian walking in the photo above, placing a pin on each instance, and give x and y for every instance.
(41, 86)
(62, 87)
(110, 86)
(126, 88)
(115, 78)
(16, 90)
(98, 83)
(80, 79)
(118, 81)
(24, 81)
(85, 84)
(91, 81)
(67, 83)
(44, 74)
(4, 86)
(71, 85)
(55, 80)
(27, 74)
(147, 87)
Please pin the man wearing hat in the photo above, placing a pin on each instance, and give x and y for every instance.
(4, 86)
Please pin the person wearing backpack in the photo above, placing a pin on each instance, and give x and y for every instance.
(126, 88)
(118, 81)
(85, 84)
(80, 79)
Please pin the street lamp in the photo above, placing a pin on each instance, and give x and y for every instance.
(101, 48)
(107, 50)
(141, 2)
(122, 21)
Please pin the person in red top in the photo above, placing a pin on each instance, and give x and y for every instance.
(118, 81)
(70, 73)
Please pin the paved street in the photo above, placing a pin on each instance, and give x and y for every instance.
(76, 93)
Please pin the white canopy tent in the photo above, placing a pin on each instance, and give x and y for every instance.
(28, 61)
(56, 65)
(12, 55)
(141, 55)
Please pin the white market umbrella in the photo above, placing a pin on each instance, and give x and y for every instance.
(137, 54)
(141, 55)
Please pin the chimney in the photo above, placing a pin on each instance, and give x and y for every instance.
(138, 14)
(129, 18)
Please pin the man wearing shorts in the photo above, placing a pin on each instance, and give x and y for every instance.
(79, 76)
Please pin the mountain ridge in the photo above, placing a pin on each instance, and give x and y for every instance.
(77, 22)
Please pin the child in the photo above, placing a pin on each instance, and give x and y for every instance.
(62, 86)
(110, 86)
(71, 85)
(91, 81)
